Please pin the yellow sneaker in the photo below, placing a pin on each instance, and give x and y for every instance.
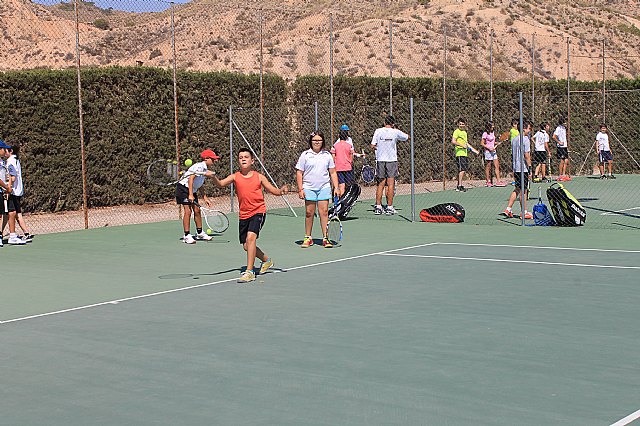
(307, 242)
(247, 276)
(266, 265)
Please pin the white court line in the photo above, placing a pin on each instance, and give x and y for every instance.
(617, 212)
(586, 265)
(158, 293)
(541, 247)
(630, 418)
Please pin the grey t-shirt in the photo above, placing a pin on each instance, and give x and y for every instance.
(517, 153)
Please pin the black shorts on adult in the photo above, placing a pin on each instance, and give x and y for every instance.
(3, 204)
(540, 157)
(252, 224)
(463, 163)
(516, 179)
(563, 153)
(13, 204)
(605, 156)
(182, 195)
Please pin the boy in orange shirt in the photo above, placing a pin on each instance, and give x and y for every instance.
(253, 211)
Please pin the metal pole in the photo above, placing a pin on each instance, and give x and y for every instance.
(533, 78)
(231, 155)
(568, 97)
(523, 196)
(391, 66)
(261, 92)
(491, 75)
(604, 86)
(85, 204)
(331, 75)
(316, 114)
(175, 85)
(413, 177)
(444, 113)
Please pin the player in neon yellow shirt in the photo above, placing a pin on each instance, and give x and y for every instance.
(461, 143)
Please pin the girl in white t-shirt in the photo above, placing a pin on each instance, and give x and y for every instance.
(315, 175)
(490, 155)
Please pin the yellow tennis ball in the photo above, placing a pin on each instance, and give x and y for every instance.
(209, 231)
(188, 162)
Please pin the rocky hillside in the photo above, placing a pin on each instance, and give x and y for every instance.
(225, 35)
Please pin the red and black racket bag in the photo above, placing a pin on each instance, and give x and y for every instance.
(443, 213)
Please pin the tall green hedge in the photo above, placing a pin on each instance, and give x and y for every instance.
(129, 120)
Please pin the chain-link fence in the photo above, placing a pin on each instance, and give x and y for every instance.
(181, 116)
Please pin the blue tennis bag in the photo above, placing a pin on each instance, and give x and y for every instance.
(542, 215)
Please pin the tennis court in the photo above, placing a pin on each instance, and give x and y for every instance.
(405, 323)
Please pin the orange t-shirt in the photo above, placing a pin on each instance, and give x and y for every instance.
(250, 196)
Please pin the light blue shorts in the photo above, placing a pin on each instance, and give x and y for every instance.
(317, 194)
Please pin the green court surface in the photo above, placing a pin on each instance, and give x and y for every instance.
(403, 324)
(611, 204)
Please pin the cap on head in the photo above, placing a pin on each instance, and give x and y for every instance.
(389, 120)
(208, 153)
(344, 127)
(4, 145)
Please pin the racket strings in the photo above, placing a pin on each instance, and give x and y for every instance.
(334, 230)
(163, 171)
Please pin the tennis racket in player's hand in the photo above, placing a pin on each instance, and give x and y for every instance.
(472, 149)
(216, 221)
(334, 226)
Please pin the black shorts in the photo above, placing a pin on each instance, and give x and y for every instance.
(540, 157)
(463, 163)
(14, 204)
(253, 224)
(345, 176)
(605, 156)
(3, 204)
(516, 179)
(182, 195)
(563, 153)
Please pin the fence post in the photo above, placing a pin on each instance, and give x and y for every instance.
(175, 85)
(533, 78)
(231, 155)
(522, 181)
(604, 85)
(444, 113)
(491, 75)
(568, 98)
(413, 176)
(85, 204)
(331, 75)
(391, 66)
(261, 93)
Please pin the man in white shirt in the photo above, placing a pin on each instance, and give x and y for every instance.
(604, 152)
(520, 150)
(560, 137)
(541, 153)
(384, 143)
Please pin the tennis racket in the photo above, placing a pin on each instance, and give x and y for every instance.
(167, 173)
(503, 137)
(368, 173)
(334, 227)
(215, 220)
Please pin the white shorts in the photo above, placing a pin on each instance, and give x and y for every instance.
(490, 155)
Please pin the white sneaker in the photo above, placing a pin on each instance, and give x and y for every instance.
(389, 210)
(204, 237)
(188, 239)
(15, 240)
(377, 210)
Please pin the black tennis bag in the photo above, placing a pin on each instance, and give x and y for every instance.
(567, 211)
(443, 213)
(346, 202)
